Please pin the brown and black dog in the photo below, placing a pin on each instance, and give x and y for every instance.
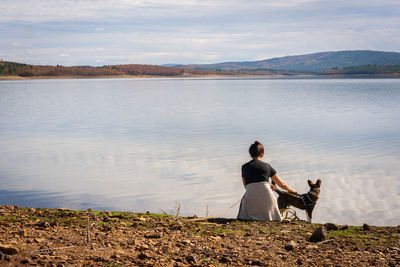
(305, 201)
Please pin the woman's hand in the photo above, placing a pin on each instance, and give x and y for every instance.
(273, 187)
(276, 179)
(293, 192)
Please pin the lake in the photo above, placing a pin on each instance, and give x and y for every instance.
(147, 144)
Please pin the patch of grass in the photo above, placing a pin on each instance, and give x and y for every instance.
(143, 227)
(98, 213)
(157, 215)
(10, 218)
(224, 230)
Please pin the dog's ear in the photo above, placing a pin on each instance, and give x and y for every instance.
(318, 183)
(310, 183)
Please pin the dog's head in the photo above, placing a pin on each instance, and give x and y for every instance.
(315, 189)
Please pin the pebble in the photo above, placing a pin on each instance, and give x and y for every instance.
(22, 233)
(191, 258)
(366, 227)
(153, 235)
(312, 247)
(144, 255)
(7, 249)
(39, 240)
(225, 260)
(43, 224)
(331, 227)
(291, 246)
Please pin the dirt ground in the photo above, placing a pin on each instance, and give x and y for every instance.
(61, 237)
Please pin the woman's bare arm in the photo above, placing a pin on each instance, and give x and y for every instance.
(244, 183)
(282, 184)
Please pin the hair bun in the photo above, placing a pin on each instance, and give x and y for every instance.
(256, 143)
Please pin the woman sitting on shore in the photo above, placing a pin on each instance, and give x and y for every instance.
(259, 202)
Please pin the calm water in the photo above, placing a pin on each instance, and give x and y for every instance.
(145, 144)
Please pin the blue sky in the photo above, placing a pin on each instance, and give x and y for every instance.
(99, 32)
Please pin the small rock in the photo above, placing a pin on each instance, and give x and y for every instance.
(366, 227)
(291, 246)
(7, 249)
(22, 233)
(144, 255)
(299, 261)
(9, 207)
(286, 221)
(24, 261)
(312, 247)
(255, 262)
(176, 227)
(43, 224)
(106, 228)
(191, 259)
(116, 256)
(331, 227)
(39, 240)
(144, 247)
(153, 235)
(319, 234)
(225, 260)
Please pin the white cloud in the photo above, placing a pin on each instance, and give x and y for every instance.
(192, 31)
(61, 10)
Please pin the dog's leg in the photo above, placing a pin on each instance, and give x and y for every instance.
(309, 212)
(308, 217)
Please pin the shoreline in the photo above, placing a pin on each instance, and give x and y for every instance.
(61, 237)
(277, 76)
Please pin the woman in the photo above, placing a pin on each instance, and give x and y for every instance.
(259, 202)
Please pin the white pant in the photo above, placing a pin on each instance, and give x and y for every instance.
(259, 203)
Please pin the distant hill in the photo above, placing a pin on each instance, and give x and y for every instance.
(317, 62)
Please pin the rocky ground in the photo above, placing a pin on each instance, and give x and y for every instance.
(61, 237)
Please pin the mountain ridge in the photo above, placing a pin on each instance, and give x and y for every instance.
(314, 62)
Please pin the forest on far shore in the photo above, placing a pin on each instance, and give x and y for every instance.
(26, 70)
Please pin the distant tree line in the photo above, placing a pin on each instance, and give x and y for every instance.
(26, 70)
(366, 69)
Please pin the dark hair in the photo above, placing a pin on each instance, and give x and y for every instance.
(256, 149)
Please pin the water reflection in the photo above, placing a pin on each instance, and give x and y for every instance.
(143, 145)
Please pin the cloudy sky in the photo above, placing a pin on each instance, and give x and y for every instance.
(99, 32)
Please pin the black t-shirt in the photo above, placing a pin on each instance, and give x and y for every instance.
(256, 171)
